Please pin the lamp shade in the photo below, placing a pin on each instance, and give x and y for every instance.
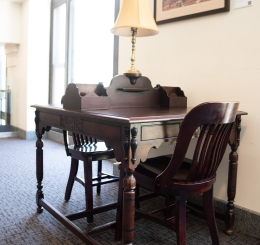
(136, 14)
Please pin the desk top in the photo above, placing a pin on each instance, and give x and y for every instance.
(128, 115)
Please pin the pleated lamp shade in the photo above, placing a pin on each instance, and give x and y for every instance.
(135, 14)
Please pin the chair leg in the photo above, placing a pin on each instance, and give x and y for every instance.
(99, 175)
(180, 211)
(88, 186)
(208, 205)
(169, 211)
(118, 229)
(73, 173)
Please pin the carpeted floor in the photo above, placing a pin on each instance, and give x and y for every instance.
(21, 224)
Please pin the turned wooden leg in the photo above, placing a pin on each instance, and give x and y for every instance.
(119, 212)
(129, 184)
(39, 171)
(232, 177)
(39, 162)
(231, 192)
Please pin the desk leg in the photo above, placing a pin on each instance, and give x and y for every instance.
(129, 184)
(232, 178)
(39, 171)
(39, 159)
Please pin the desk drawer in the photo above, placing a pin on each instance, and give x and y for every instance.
(160, 131)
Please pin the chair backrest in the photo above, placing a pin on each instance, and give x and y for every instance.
(78, 140)
(215, 120)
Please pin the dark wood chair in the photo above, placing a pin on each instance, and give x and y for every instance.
(181, 178)
(88, 150)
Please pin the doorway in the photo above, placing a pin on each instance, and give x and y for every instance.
(5, 96)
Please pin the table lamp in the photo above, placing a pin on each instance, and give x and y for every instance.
(134, 19)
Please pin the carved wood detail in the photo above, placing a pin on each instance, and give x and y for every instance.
(126, 142)
(72, 123)
(134, 144)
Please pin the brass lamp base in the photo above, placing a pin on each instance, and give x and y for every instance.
(133, 75)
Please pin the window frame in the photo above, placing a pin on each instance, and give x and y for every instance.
(55, 4)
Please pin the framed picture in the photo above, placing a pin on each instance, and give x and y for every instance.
(173, 10)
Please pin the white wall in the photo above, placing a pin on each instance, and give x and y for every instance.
(21, 86)
(10, 38)
(10, 25)
(2, 67)
(26, 27)
(38, 57)
(215, 57)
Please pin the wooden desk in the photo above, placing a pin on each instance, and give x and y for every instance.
(132, 132)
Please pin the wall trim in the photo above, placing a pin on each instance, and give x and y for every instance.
(246, 221)
(54, 136)
(26, 135)
(30, 135)
(8, 134)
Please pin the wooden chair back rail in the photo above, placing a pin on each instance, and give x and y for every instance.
(80, 140)
(216, 121)
(206, 158)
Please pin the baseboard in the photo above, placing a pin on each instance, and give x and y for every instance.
(30, 135)
(8, 134)
(26, 135)
(246, 221)
(116, 171)
(54, 136)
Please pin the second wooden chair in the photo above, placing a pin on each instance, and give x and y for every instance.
(88, 150)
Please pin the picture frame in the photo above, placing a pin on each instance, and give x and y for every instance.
(166, 11)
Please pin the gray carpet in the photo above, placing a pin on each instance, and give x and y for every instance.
(21, 224)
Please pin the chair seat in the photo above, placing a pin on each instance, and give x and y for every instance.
(92, 150)
(152, 167)
(147, 171)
